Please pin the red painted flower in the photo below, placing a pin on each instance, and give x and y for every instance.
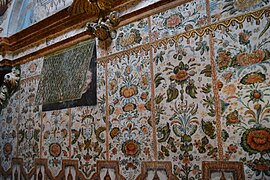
(232, 148)
(55, 149)
(232, 118)
(7, 149)
(173, 21)
(131, 148)
(256, 140)
(259, 140)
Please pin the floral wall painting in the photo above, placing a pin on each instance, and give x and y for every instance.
(182, 93)
(69, 78)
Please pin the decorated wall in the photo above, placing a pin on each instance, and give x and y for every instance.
(174, 89)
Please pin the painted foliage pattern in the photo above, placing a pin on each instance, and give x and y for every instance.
(185, 112)
(130, 128)
(55, 138)
(29, 135)
(130, 36)
(242, 57)
(32, 68)
(221, 10)
(88, 130)
(8, 135)
(179, 19)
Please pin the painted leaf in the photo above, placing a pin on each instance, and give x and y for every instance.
(207, 71)
(172, 93)
(158, 79)
(208, 129)
(98, 133)
(165, 132)
(224, 135)
(252, 78)
(191, 89)
(265, 28)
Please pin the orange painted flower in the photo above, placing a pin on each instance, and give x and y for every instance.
(144, 96)
(113, 86)
(232, 118)
(229, 90)
(246, 59)
(129, 107)
(128, 92)
(114, 132)
(141, 108)
(259, 140)
(181, 75)
(223, 59)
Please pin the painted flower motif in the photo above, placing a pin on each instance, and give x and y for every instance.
(55, 149)
(219, 85)
(131, 148)
(144, 95)
(229, 89)
(232, 118)
(87, 157)
(260, 166)
(173, 21)
(247, 59)
(128, 92)
(146, 151)
(128, 70)
(7, 149)
(114, 132)
(256, 140)
(181, 73)
(223, 59)
(134, 37)
(232, 148)
(252, 78)
(256, 96)
(141, 108)
(244, 37)
(113, 86)
(129, 107)
(32, 68)
(144, 81)
(114, 151)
